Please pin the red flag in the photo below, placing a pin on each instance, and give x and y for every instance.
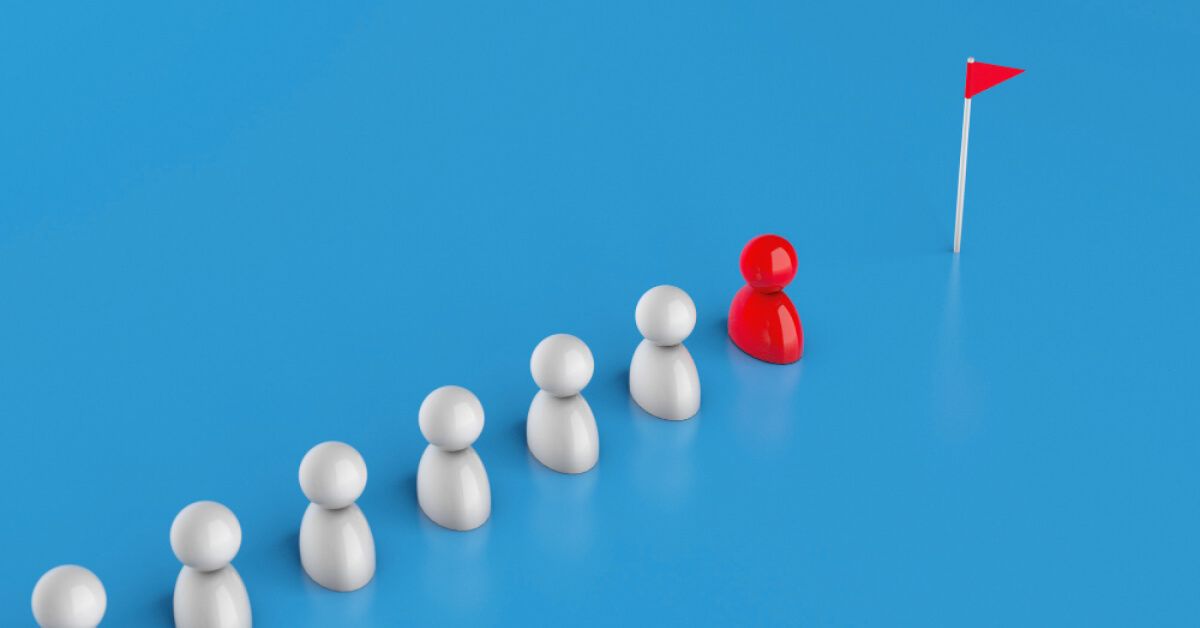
(981, 76)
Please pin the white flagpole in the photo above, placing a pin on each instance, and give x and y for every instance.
(962, 170)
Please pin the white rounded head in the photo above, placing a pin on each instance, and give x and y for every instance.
(562, 365)
(665, 315)
(333, 475)
(206, 536)
(451, 418)
(69, 596)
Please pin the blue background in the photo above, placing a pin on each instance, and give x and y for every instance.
(230, 232)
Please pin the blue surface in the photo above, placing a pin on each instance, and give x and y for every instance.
(228, 233)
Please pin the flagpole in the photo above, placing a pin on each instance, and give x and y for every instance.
(962, 171)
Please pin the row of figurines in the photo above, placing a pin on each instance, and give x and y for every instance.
(337, 549)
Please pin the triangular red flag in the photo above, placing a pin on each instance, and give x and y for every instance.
(981, 76)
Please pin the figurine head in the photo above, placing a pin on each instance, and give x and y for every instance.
(665, 315)
(69, 595)
(562, 365)
(333, 475)
(768, 263)
(451, 418)
(206, 536)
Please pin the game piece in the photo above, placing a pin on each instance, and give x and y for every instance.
(662, 376)
(69, 596)
(560, 428)
(337, 548)
(762, 320)
(980, 76)
(452, 484)
(209, 593)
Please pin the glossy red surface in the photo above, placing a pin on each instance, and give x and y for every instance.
(766, 326)
(768, 263)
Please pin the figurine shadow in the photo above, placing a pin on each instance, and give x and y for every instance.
(621, 379)
(408, 487)
(166, 608)
(291, 548)
(402, 508)
(517, 433)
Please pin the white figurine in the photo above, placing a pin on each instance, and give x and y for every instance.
(452, 485)
(560, 428)
(69, 596)
(662, 376)
(337, 549)
(209, 593)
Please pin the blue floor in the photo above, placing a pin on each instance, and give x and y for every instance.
(228, 233)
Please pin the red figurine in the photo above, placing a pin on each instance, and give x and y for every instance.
(762, 320)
